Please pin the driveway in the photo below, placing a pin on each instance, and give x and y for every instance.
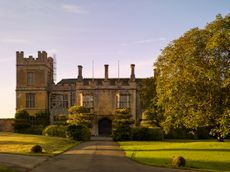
(95, 156)
(21, 162)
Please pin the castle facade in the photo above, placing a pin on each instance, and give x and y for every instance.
(36, 91)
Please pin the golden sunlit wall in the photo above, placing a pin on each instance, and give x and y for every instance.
(41, 101)
(33, 76)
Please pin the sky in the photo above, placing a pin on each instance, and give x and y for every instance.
(78, 32)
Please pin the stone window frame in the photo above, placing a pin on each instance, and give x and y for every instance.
(65, 101)
(125, 102)
(73, 98)
(89, 103)
(30, 78)
(30, 100)
(59, 101)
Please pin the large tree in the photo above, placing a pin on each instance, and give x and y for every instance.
(193, 79)
(147, 92)
(152, 113)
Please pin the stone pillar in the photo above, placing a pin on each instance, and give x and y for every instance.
(80, 72)
(106, 72)
(132, 77)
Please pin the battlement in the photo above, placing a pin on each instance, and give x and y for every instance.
(41, 59)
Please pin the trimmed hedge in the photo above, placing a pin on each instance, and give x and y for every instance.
(147, 134)
(122, 133)
(36, 129)
(78, 132)
(183, 133)
(21, 125)
(55, 130)
(121, 124)
(203, 133)
(28, 124)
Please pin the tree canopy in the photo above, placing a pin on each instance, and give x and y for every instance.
(193, 79)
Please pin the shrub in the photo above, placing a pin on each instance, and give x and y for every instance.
(203, 133)
(79, 109)
(145, 134)
(78, 132)
(183, 133)
(180, 133)
(123, 111)
(147, 119)
(122, 125)
(42, 118)
(122, 132)
(80, 115)
(178, 161)
(60, 117)
(36, 129)
(22, 114)
(21, 125)
(22, 121)
(55, 130)
(36, 149)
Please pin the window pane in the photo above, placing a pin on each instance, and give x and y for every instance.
(123, 101)
(30, 100)
(30, 78)
(88, 101)
(59, 101)
(73, 95)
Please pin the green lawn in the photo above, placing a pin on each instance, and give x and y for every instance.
(201, 154)
(22, 143)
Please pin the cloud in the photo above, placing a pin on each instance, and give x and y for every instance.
(145, 41)
(14, 40)
(70, 8)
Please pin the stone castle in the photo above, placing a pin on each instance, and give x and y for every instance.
(36, 91)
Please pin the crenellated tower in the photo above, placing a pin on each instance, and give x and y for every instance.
(34, 77)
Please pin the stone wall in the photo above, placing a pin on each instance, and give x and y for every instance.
(7, 125)
(41, 69)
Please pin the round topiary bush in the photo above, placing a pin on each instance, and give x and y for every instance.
(178, 161)
(36, 149)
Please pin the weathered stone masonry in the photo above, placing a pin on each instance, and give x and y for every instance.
(36, 91)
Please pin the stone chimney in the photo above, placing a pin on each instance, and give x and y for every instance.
(106, 72)
(132, 77)
(80, 72)
(39, 54)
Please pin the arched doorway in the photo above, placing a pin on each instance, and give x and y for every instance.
(105, 127)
